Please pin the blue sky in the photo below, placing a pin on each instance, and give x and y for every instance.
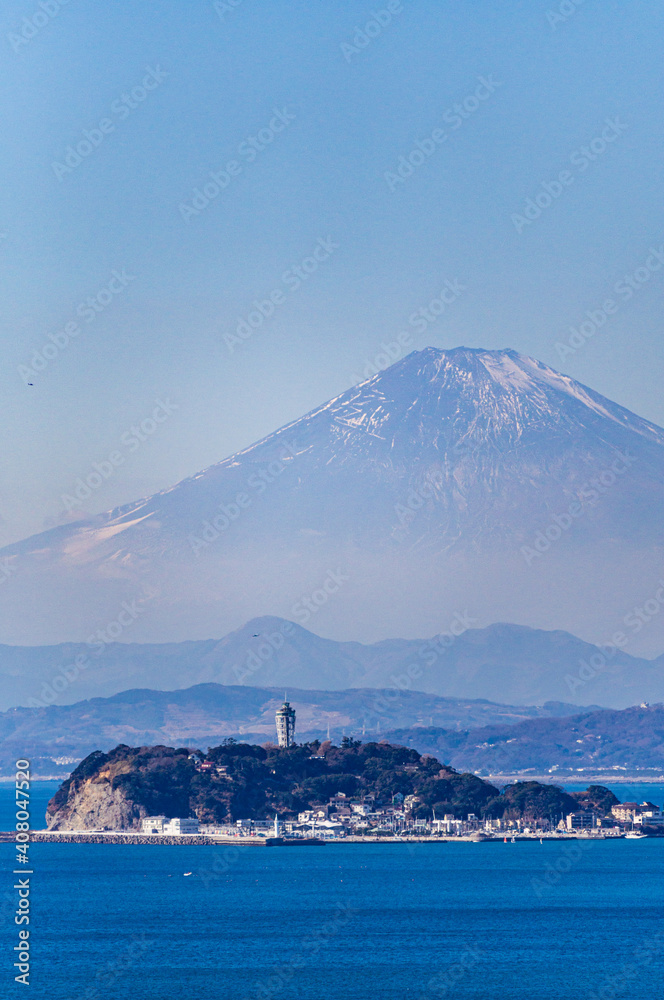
(337, 113)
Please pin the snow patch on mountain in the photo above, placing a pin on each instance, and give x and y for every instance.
(422, 483)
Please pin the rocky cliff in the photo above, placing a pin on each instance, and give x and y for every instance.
(95, 805)
(91, 802)
(115, 791)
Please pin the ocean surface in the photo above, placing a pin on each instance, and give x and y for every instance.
(340, 922)
(626, 792)
(40, 793)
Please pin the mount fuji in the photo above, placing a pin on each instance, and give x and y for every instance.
(467, 484)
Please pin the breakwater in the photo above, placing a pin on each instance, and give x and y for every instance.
(194, 839)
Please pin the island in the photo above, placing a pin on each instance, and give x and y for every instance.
(319, 790)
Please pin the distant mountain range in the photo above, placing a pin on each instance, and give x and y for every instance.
(631, 740)
(455, 483)
(206, 713)
(470, 735)
(502, 663)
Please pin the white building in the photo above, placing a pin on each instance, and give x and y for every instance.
(650, 815)
(169, 827)
(581, 821)
(447, 825)
(178, 826)
(153, 824)
(625, 812)
(327, 829)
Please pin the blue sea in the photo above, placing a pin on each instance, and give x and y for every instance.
(626, 792)
(469, 921)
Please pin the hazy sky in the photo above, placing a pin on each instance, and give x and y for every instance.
(169, 92)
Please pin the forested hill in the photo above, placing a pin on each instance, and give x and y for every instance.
(631, 739)
(118, 788)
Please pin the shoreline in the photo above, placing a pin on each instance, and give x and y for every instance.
(575, 779)
(212, 840)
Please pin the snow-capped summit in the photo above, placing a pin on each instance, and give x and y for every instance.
(467, 394)
(453, 480)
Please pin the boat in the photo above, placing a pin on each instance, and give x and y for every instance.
(634, 836)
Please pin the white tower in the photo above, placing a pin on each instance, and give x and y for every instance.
(285, 719)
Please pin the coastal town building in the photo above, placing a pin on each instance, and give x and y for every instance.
(207, 766)
(625, 812)
(344, 815)
(153, 824)
(649, 815)
(169, 827)
(178, 826)
(581, 821)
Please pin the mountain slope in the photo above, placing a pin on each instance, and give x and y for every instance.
(510, 663)
(472, 735)
(205, 713)
(441, 485)
(631, 740)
